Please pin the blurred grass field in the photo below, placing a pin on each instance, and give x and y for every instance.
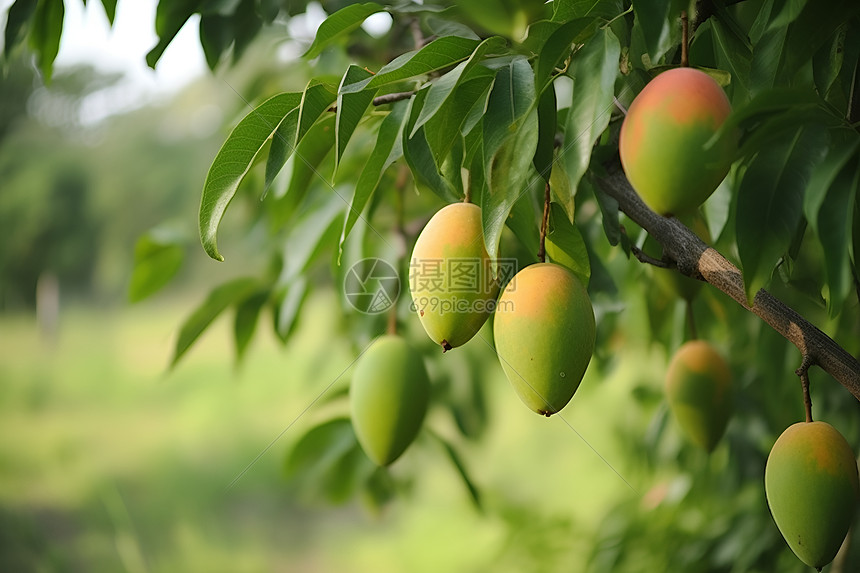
(108, 462)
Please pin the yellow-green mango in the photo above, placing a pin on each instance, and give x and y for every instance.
(699, 391)
(450, 279)
(670, 280)
(663, 140)
(388, 398)
(812, 488)
(544, 333)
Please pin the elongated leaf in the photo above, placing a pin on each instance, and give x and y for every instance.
(233, 162)
(46, 29)
(565, 246)
(382, 156)
(306, 238)
(513, 97)
(461, 469)
(216, 35)
(316, 98)
(547, 128)
(16, 19)
(282, 147)
(442, 89)
(595, 67)
(564, 194)
(170, 16)
(558, 47)
(651, 16)
(438, 54)
(788, 13)
(245, 323)
(288, 308)
(350, 108)
(509, 171)
(341, 22)
(216, 302)
(824, 175)
(733, 54)
(157, 258)
(766, 60)
(564, 10)
(770, 202)
(827, 61)
(419, 157)
(110, 10)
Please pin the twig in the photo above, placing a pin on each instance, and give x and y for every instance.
(543, 225)
(417, 34)
(385, 98)
(803, 372)
(696, 259)
(644, 257)
(685, 37)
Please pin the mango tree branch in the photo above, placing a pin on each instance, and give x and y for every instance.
(696, 259)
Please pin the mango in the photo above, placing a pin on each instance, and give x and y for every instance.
(699, 391)
(388, 398)
(450, 278)
(663, 141)
(544, 332)
(670, 280)
(812, 488)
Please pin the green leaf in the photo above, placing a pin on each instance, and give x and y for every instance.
(245, 323)
(595, 67)
(509, 172)
(216, 35)
(547, 128)
(564, 194)
(513, 96)
(438, 54)
(341, 22)
(733, 54)
(16, 19)
(419, 157)
(652, 18)
(827, 61)
(766, 60)
(609, 212)
(564, 10)
(558, 47)
(216, 302)
(828, 208)
(787, 14)
(158, 255)
(384, 153)
(770, 202)
(46, 29)
(291, 300)
(307, 237)
(350, 108)
(282, 147)
(441, 90)
(170, 16)
(110, 10)
(316, 99)
(233, 162)
(454, 457)
(565, 246)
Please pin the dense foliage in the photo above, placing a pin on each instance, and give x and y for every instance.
(495, 99)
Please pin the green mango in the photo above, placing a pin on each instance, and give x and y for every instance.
(450, 278)
(388, 398)
(812, 488)
(544, 332)
(670, 280)
(699, 390)
(665, 141)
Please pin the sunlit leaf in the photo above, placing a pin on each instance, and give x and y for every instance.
(558, 47)
(233, 162)
(419, 157)
(455, 459)
(45, 31)
(350, 108)
(341, 22)
(316, 99)
(158, 256)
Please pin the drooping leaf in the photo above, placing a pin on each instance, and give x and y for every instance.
(651, 16)
(454, 457)
(341, 22)
(350, 108)
(770, 202)
(512, 97)
(595, 67)
(216, 35)
(216, 302)
(316, 99)
(419, 157)
(282, 147)
(609, 212)
(307, 237)
(287, 310)
(733, 54)
(558, 47)
(787, 13)
(384, 153)
(110, 10)
(170, 16)
(563, 193)
(158, 255)
(45, 30)
(16, 19)
(565, 246)
(245, 322)
(509, 172)
(442, 89)
(438, 54)
(233, 162)
(547, 128)
(827, 61)
(767, 59)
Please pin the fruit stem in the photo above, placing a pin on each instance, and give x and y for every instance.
(543, 225)
(685, 29)
(691, 321)
(803, 372)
